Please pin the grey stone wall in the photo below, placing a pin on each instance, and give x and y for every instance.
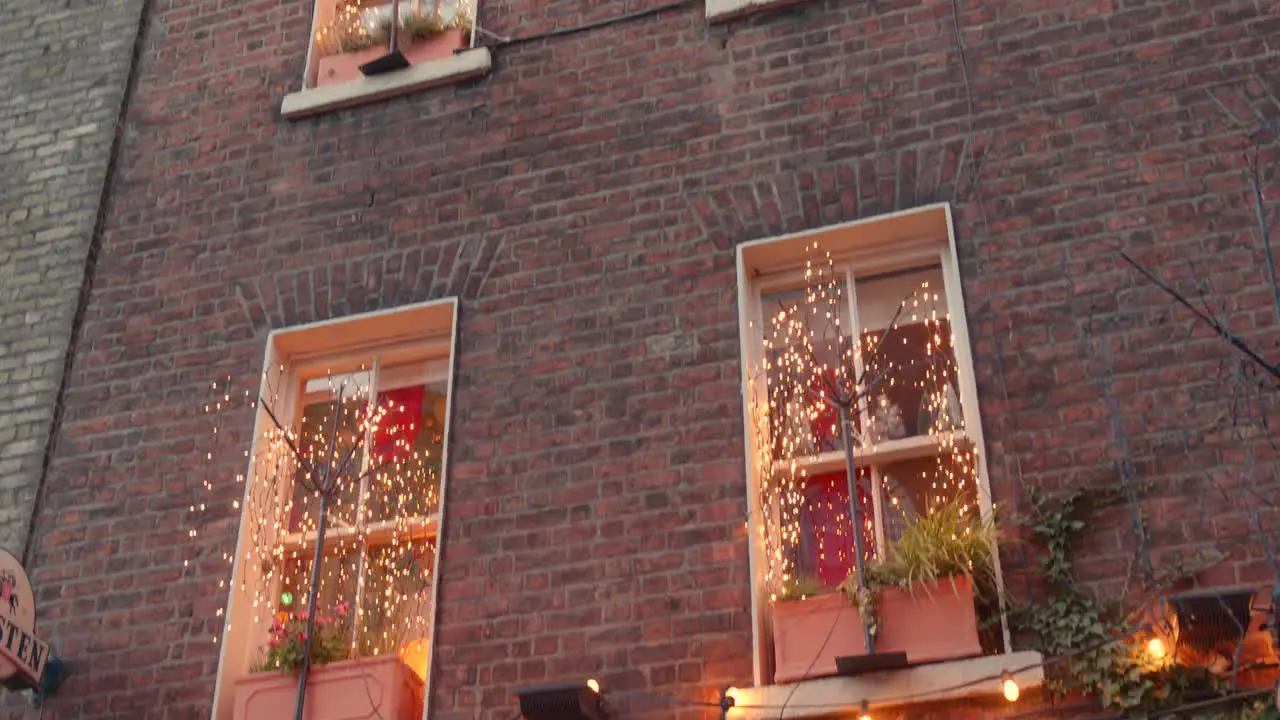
(63, 72)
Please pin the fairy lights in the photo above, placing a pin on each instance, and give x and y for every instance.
(1156, 649)
(382, 478)
(348, 31)
(900, 381)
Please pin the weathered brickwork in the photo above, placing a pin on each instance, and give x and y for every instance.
(584, 200)
(65, 69)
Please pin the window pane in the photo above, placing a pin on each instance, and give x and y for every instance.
(805, 337)
(337, 580)
(826, 550)
(911, 377)
(395, 606)
(912, 487)
(337, 584)
(408, 444)
(315, 434)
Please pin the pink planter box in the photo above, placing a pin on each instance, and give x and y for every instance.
(930, 623)
(377, 687)
(344, 67)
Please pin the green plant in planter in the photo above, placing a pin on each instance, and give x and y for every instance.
(950, 540)
(356, 43)
(799, 588)
(287, 639)
(421, 26)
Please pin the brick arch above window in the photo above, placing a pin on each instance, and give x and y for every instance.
(812, 197)
(311, 294)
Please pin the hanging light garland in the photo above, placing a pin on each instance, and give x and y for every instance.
(809, 359)
(383, 487)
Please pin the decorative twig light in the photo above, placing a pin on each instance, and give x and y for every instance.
(814, 388)
(359, 476)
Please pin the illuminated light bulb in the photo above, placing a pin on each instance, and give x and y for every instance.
(728, 699)
(1011, 691)
(594, 684)
(1156, 649)
(865, 712)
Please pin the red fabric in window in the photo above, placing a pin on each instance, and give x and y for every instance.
(401, 421)
(826, 428)
(828, 546)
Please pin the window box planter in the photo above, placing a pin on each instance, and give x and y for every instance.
(930, 623)
(376, 687)
(344, 67)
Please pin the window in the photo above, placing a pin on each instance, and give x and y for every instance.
(350, 60)
(351, 33)
(368, 396)
(872, 310)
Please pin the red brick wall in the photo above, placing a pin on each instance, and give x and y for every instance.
(584, 200)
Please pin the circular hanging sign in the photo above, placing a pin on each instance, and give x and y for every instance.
(21, 652)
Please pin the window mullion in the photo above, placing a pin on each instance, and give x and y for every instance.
(864, 415)
(859, 368)
(877, 507)
(362, 496)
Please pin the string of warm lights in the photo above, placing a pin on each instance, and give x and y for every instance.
(810, 365)
(382, 489)
(730, 697)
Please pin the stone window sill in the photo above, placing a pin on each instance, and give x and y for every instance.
(725, 10)
(840, 696)
(465, 65)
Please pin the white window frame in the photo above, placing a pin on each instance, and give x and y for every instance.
(426, 331)
(900, 240)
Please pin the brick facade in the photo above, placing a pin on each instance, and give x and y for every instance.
(584, 200)
(60, 96)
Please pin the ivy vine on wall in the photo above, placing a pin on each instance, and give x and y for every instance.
(1103, 641)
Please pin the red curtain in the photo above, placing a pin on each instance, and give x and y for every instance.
(826, 426)
(827, 545)
(402, 421)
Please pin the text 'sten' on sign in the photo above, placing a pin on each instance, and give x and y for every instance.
(22, 654)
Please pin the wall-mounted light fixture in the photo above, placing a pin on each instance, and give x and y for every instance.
(1206, 618)
(576, 701)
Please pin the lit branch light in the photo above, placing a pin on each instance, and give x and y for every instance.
(811, 366)
(373, 458)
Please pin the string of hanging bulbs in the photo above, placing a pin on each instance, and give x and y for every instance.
(731, 698)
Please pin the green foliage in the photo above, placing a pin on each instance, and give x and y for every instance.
(798, 588)
(286, 646)
(944, 543)
(356, 43)
(1070, 621)
(422, 26)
